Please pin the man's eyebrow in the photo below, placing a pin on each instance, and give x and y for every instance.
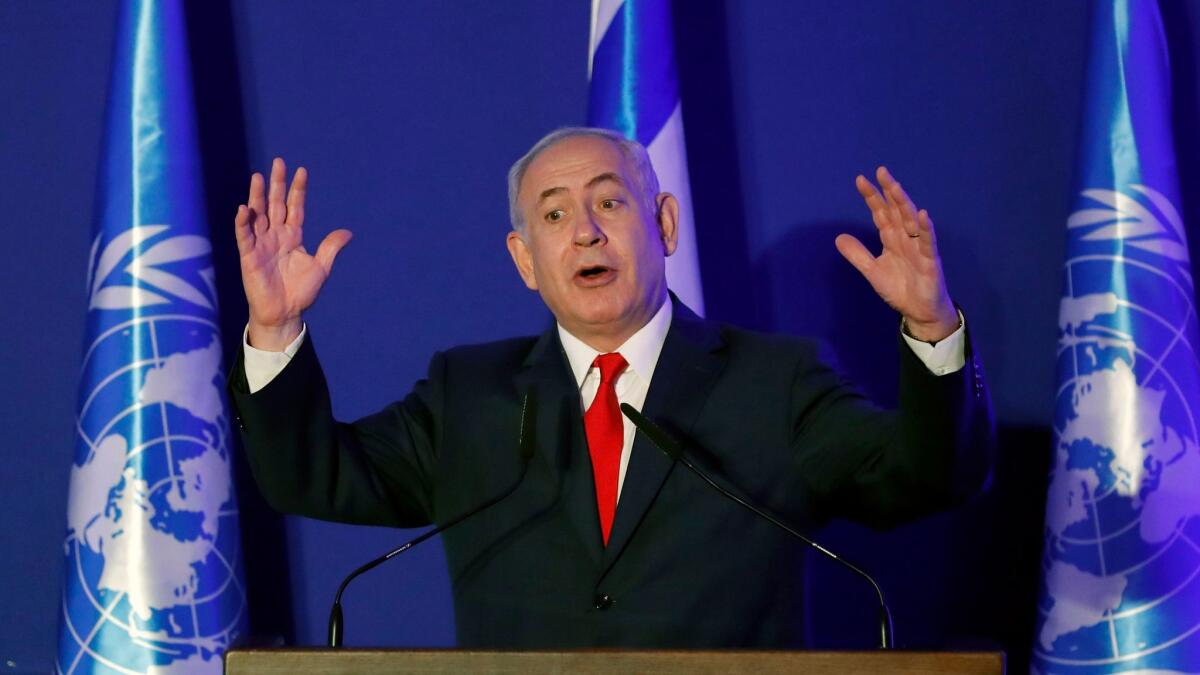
(606, 176)
(549, 192)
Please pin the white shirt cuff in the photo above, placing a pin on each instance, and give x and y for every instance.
(949, 355)
(263, 366)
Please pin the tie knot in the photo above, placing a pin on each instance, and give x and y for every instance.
(611, 365)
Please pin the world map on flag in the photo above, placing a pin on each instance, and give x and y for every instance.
(151, 536)
(1121, 558)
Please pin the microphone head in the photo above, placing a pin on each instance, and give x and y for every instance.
(336, 626)
(661, 439)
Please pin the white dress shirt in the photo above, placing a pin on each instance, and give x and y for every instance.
(263, 366)
(641, 352)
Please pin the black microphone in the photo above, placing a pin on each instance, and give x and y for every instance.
(673, 449)
(527, 445)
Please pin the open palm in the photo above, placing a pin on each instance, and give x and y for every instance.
(907, 274)
(280, 277)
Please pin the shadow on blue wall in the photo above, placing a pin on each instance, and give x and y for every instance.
(706, 89)
(1180, 19)
(226, 170)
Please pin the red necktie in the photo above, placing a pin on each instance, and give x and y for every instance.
(605, 435)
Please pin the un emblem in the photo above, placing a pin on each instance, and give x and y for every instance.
(1122, 541)
(152, 549)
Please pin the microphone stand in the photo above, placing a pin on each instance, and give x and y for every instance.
(673, 449)
(336, 622)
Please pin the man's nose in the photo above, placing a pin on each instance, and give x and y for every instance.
(588, 231)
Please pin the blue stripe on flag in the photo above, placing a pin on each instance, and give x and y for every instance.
(634, 88)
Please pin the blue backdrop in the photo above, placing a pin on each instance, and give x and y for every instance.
(408, 115)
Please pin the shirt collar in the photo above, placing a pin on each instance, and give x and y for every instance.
(641, 350)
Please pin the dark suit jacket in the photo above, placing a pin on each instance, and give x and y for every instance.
(684, 567)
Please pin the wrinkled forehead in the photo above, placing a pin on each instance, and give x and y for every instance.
(572, 163)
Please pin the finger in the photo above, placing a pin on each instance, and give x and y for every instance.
(874, 201)
(884, 178)
(276, 210)
(928, 236)
(894, 239)
(903, 212)
(242, 230)
(887, 185)
(295, 199)
(259, 223)
(908, 210)
(868, 191)
(256, 202)
(895, 217)
(904, 245)
(330, 246)
(903, 224)
(855, 253)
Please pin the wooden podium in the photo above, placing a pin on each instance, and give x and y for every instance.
(603, 662)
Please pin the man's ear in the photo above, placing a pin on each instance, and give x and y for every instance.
(667, 215)
(522, 258)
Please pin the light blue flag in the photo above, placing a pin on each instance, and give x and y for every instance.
(634, 89)
(153, 579)
(1121, 566)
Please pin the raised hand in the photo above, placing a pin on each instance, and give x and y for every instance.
(281, 279)
(907, 274)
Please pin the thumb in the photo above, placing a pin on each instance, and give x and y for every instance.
(855, 253)
(330, 247)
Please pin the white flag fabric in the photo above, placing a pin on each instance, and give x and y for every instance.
(634, 89)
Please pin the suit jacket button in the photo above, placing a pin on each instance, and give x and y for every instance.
(602, 601)
(241, 425)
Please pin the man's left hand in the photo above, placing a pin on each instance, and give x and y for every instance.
(908, 273)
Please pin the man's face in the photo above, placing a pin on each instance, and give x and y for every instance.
(594, 245)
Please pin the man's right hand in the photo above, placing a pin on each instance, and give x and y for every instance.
(281, 279)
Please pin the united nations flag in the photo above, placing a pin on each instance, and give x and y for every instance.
(153, 573)
(1121, 564)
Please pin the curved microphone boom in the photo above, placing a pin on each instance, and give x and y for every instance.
(673, 449)
(525, 442)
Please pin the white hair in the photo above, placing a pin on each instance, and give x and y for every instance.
(646, 179)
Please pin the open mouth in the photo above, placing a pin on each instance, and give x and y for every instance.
(594, 275)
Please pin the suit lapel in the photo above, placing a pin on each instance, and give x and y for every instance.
(560, 438)
(683, 377)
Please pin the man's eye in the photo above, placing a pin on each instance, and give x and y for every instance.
(555, 215)
(608, 204)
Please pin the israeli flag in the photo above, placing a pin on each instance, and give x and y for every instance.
(634, 89)
(1121, 564)
(153, 580)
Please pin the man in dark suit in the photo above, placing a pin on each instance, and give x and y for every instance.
(606, 542)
